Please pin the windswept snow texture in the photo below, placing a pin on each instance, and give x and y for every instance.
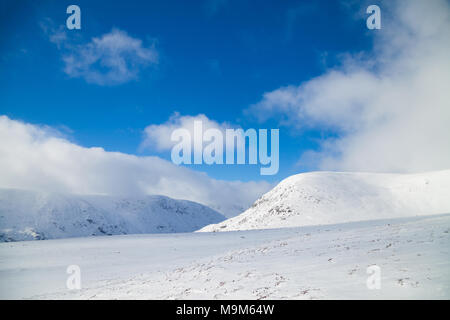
(29, 215)
(313, 262)
(333, 197)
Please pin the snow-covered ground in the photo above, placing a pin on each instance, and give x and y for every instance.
(311, 262)
(316, 198)
(32, 215)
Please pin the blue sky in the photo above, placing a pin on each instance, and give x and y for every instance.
(214, 57)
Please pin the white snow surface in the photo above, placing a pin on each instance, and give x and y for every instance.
(31, 215)
(317, 198)
(312, 262)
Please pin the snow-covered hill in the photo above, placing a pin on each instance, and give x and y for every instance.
(334, 197)
(30, 215)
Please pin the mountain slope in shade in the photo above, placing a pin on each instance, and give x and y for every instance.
(30, 215)
(317, 198)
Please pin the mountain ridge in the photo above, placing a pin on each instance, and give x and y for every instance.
(35, 215)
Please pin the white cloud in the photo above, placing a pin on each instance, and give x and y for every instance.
(33, 157)
(390, 109)
(114, 58)
(157, 136)
(111, 59)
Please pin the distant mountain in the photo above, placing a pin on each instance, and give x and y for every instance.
(333, 197)
(30, 215)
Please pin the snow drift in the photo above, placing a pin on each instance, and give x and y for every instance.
(30, 215)
(334, 197)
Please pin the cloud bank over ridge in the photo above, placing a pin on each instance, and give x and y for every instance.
(35, 157)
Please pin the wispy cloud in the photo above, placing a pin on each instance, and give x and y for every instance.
(111, 59)
(388, 110)
(56, 34)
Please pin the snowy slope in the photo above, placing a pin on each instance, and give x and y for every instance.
(29, 215)
(312, 262)
(332, 197)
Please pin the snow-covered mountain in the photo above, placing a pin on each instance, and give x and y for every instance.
(334, 197)
(30, 215)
